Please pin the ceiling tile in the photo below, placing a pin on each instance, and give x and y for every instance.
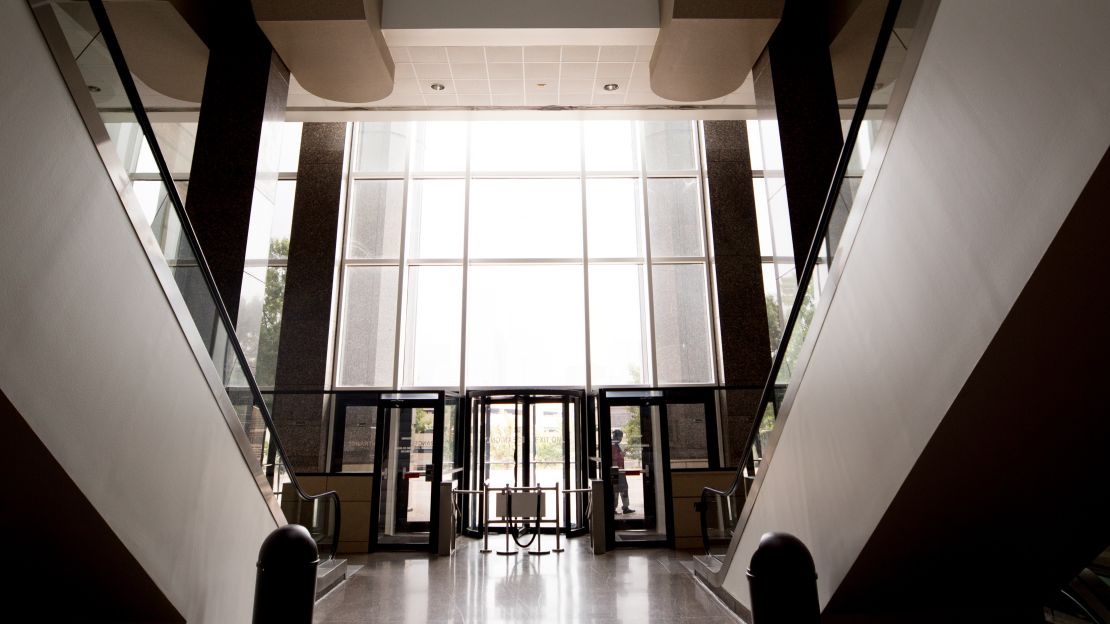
(641, 70)
(400, 54)
(510, 71)
(541, 54)
(504, 54)
(609, 99)
(642, 99)
(428, 54)
(468, 70)
(402, 99)
(643, 53)
(579, 70)
(575, 99)
(508, 100)
(404, 70)
(432, 70)
(580, 54)
(466, 54)
(406, 86)
(547, 88)
(576, 86)
(472, 86)
(612, 70)
(474, 100)
(441, 99)
(638, 84)
(426, 87)
(502, 87)
(541, 71)
(618, 54)
(538, 99)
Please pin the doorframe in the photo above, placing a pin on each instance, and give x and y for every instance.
(409, 400)
(646, 397)
(476, 400)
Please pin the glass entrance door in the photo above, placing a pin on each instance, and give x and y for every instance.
(409, 438)
(637, 472)
(644, 436)
(526, 438)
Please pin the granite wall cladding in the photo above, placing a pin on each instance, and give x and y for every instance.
(745, 339)
(306, 311)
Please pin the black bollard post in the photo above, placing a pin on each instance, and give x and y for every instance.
(285, 590)
(783, 582)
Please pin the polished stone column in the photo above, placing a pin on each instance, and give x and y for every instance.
(245, 91)
(742, 313)
(794, 84)
(307, 310)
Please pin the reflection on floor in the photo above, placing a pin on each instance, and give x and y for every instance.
(575, 586)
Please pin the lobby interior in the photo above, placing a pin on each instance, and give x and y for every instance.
(699, 271)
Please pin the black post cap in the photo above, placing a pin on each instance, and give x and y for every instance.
(288, 546)
(781, 555)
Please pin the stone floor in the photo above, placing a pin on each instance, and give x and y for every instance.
(575, 586)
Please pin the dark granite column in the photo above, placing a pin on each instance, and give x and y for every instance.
(745, 340)
(245, 91)
(794, 84)
(307, 313)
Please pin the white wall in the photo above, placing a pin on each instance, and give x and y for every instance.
(94, 358)
(1004, 123)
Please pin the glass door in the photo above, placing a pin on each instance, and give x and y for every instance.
(645, 435)
(409, 438)
(638, 479)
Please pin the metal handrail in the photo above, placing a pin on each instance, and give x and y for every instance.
(116, 52)
(806, 276)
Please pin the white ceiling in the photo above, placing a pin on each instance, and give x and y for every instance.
(520, 76)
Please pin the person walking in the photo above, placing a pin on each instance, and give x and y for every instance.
(618, 467)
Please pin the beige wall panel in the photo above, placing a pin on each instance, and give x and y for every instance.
(352, 488)
(355, 522)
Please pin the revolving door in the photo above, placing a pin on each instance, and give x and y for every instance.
(520, 438)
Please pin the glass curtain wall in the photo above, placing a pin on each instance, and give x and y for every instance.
(514, 253)
(780, 282)
(263, 290)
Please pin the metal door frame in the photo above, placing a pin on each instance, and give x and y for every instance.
(645, 398)
(408, 400)
(482, 399)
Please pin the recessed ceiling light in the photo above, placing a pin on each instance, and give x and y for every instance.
(94, 89)
(438, 86)
(612, 86)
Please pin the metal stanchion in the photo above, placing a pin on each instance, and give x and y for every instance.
(539, 521)
(485, 518)
(508, 523)
(558, 521)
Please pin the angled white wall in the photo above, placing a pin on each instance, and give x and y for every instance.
(1004, 123)
(94, 358)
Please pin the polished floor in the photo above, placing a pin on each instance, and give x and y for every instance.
(653, 585)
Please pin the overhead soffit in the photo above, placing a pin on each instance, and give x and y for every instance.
(335, 49)
(162, 49)
(706, 48)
